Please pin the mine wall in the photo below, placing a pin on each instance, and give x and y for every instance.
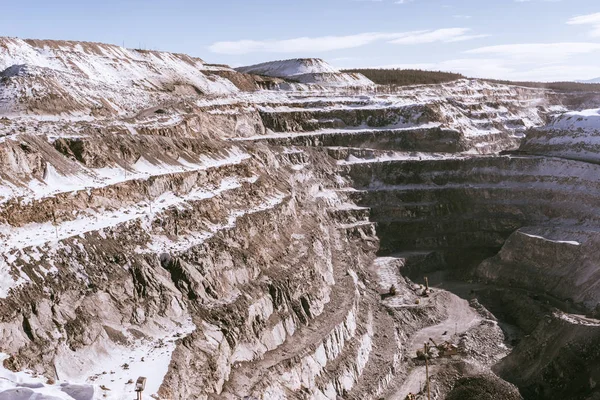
(280, 252)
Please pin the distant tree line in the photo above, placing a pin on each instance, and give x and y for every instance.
(558, 86)
(406, 77)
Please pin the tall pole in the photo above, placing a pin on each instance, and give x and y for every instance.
(427, 371)
(140, 385)
(55, 223)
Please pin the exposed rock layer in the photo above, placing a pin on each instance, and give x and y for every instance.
(227, 237)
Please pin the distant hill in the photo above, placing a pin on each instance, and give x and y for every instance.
(289, 68)
(407, 77)
(307, 70)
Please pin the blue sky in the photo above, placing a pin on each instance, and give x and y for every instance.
(512, 39)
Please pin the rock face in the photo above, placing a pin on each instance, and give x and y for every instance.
(167, 218)
(42, 76)
(572, 135)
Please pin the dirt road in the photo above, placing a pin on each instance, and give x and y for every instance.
(460, 318)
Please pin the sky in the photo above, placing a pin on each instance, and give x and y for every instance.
(541, 40)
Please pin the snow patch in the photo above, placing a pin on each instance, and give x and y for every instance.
(289, 68)
(586, 120)
(113, 369)
(577, 319)
(572, 243)
(7, 281)
(26, 385)
(55, 183)
(308, 71)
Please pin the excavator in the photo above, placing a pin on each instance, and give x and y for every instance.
(446, 349)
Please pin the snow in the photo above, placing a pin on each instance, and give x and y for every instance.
(586, 120)
(450, 100)
(292, 150)
(577, 319)
(331, 131)
(37, 234)
(7, 281)
(308, 71)
(335, 79)
(358, 224)
(149, 357)
(289, 68)
(573, 243)
(105, 69)
(162, 244)
(402, 156)
(351, 207)
(55, 183)
(573, 135)
(90, 75)
(32, 387)
(111, 64)
(14, 239)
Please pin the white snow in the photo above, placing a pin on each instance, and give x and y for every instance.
(401, 156)
(289, 68)
(340, 80)
(55, 183)
(577, 319)
(573, 135)
(37, 234)
(570, 242)
(36, 384)
(112, 370)
(308, 71)
(90, 75)
(586, 120)
(331, 131)
(161, 243)
(7, 281)
(111, 64)
(149, 358)
(351, 207)
(15, 239)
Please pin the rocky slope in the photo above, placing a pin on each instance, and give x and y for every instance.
(166, 218)
(61, 77)
(572, 135)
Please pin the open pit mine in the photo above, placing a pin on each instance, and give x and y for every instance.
(290, 231)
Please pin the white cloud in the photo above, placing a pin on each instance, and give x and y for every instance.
(438, 35)
(298, 45)
(538, 52)
(521, 62)
(589, 19)
(497, 68)
(328, 43)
